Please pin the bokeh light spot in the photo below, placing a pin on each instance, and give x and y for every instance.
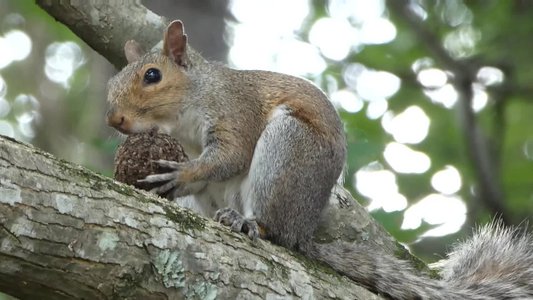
(406, 160)
(449, 212)
(447, 181)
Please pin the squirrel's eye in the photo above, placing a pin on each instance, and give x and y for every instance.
(152, 75)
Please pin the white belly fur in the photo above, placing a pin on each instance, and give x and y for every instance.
(214, 196)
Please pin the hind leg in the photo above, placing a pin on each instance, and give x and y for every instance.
(289, 181)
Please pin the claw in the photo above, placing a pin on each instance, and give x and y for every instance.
(167, 164)
(164, 188)
(253, 229)
(222, 216)
(158, 177)
(232, 218)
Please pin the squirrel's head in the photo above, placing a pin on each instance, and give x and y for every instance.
(148, 91)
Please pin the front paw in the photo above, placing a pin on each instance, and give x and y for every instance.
(169, 182)
(172, 184)
(232, 218)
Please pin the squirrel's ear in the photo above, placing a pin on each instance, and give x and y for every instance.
(175, 43)
(133, 51)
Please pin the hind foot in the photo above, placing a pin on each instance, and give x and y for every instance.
(237, 222)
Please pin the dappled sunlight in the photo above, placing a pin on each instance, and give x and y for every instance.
(432, 78)
(376, 109)
(375, 85)
(15, 45)
(369, 30)
(62, 60)
(26, 112)
(480, 99)
(325, 35)
(410, 126)
(276, 51)
(357, 11)
(372, 86)
(446, 96)
(462, 42)
(440, 90)
(418, 10)
(379, 185)
(351, 73)
(23, 110)
(357, 22)
(20, 109)
(347, 100)
(456, 13)
(274, 47)
(448, 212)
(421, 64)
(389, 201)
(260, 12)
(447, 181)
(490, 76)
(403, 159)
(298, 58)
(239, 54)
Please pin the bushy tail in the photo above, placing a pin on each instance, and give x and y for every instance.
(496, 263)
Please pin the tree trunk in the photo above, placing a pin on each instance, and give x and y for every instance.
(66, 232)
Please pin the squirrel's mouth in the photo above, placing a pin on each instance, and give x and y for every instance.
(128, 128)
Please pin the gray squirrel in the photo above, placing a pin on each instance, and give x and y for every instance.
(266, 150)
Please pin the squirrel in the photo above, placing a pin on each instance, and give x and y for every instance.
(266, 150)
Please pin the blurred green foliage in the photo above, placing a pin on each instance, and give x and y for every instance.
(503, 41)
(69, 121)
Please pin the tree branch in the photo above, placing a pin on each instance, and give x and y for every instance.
(68, 233)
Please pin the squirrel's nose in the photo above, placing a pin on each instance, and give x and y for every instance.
(117, 120)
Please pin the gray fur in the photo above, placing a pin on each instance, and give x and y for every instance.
(496, 263)
(285, 194)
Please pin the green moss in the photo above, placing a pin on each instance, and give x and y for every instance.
(276, 268)
(186, 219)
(127, 190)
(415, 262)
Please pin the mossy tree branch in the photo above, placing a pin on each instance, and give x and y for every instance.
(67, 233)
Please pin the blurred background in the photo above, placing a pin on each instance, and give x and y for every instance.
(436, 99)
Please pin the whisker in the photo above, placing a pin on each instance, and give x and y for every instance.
(156, 107)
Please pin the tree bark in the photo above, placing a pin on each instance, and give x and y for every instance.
(66, 232)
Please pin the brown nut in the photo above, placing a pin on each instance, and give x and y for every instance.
(134, 157)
